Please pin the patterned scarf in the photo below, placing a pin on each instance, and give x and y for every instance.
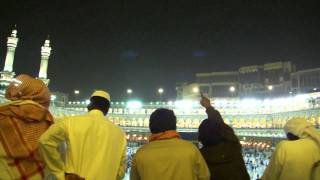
(24, 87)
(23, 121)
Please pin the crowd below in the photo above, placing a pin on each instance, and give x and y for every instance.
(33, 145)
(256, 161)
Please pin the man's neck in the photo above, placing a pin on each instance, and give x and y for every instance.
(96, 111)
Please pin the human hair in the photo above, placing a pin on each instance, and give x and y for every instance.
(99, 103)
(209, 133)
(292, 137)
(162, 120)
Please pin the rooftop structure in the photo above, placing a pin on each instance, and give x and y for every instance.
(267, 80)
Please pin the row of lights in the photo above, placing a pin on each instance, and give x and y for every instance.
(170, 103)
(129, 91)
(80, 102)
(160, 91)
(255, 144)
(231, 89)
(219, 103)
(194, 90)
(136, 137)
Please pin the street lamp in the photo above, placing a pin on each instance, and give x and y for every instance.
(76, 93)
(195, 89)
(232, 89)
(129, 92)
(270, 87)
(160, 91)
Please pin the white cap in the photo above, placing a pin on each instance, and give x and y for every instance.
(102, 94)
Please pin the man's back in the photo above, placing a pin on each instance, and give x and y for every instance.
(95, 146)
(293, 160)
(169, 159)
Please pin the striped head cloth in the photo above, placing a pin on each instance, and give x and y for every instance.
(24, 87)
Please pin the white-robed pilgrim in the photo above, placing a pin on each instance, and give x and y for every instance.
(296, 159)
(96, 148)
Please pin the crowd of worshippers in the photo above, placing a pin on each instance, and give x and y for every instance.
(256, 161)
(96, 148)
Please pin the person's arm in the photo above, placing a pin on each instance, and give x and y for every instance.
(202, 169)
(48, 146)
(211, 112)
(134, 174)
(274, 168)
(214, 114)
(123, 162)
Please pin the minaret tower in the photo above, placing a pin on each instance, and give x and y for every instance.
(45, 54)
(7, 74)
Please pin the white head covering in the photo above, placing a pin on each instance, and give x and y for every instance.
(102, 94)
(303, 129)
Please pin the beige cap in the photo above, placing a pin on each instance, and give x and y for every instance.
(102, 94)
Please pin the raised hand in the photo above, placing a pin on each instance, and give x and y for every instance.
(205, 102)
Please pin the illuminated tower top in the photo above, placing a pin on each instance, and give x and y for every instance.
(14, 33)
(11, 47)
(46, 49)
(45, 54)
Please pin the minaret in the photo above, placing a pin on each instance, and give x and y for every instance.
(45, 54)
(7, 74)
(11, 48)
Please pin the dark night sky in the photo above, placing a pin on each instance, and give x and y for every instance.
(144, 44)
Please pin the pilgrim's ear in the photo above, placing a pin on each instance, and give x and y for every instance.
(89, 107)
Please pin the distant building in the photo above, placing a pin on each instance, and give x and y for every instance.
(265, 80)
(218, 83)
(188, 91)
(306, 81)
(59, 98)
(271, 79)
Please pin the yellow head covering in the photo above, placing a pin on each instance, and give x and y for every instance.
(101, 93)
(303, 129)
